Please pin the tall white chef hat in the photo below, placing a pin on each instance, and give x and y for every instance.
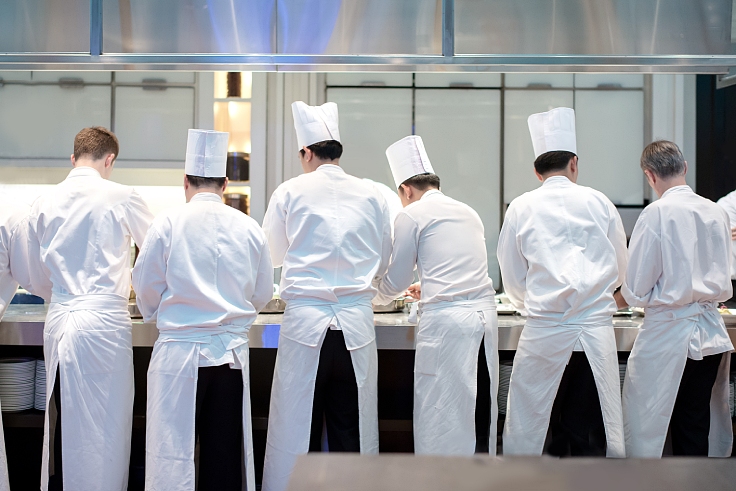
(206, 153)
(553, 131)
(408, 158)
(315, 124)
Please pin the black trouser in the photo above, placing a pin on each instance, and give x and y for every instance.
(219, 427)
(731, 302)
(690, 421)
(335, 398)
(576, 422)
(56, 482)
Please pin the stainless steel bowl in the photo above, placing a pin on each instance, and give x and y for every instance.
(395, 306)
(275, 306)
(134, 312)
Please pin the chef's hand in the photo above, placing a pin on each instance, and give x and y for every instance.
(620, 300)
(414, 291)
(733, 233)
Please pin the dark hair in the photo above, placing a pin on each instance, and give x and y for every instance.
(552, 161)
(423, 182)
(96, 142)
(326, 150)
(206, 182)
(664, 158)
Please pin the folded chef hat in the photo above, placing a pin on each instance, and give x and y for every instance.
(206, 153)
(553, 131)
(315, 124)
(408, 158)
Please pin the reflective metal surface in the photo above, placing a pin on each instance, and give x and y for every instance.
(595, 27)
(359, 27)
(37, 26)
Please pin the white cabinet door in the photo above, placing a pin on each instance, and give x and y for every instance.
(461, 130)
(13, 76)
(610, 132)
(152, 124)
(61, 76)
(564, 80)
(460, 79)
(611, 80)
(166, 76)
(370, 121)
(40, 122)
(518, 162)
(357, 79)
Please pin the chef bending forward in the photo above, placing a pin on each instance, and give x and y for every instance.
(679, 269)
(444, 239)
(562, 252)
(331, 233)
(203, 274)
(79, 237)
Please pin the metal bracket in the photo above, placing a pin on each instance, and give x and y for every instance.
(95, 27)
(448, 28)
(723, 81)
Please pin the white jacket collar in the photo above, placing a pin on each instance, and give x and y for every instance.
(557, 180)
(84, 171)
(205, 196)
(678, 189)
(330, 168)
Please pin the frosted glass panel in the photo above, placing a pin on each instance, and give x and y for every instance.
(32, 26)
(153, 124)
(461, 131)
(518, 167)
(370, 121)
(169, 76)
(458, 79)
(42, 121)
(369, 78)
(592, 80)
(564, 80)
(55, 76)
(610, 131)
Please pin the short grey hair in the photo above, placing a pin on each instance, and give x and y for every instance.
(663, 158)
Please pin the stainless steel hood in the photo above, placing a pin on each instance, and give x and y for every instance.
(379, 35)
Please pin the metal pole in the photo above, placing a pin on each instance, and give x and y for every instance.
(448, 28)
(95, 27)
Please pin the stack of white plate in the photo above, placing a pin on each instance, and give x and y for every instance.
(40, 398)
(17, 383)
(622, 374)
(504, 376)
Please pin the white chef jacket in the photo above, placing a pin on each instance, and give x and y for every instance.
(204, 270)
(331, 232)
(728, 203)
(562, 252)
(11, 217)
(680, 254)
(83, 229)
(444, 238)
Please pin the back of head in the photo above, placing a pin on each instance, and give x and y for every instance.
(553, 161)
(423, 182)
(206, 182)
(664, 159)
(95, 143)
(325, 150)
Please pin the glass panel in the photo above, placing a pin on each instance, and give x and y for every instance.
(458, 79)
(187, 26)
(357, 79)
(530, 79)
(56, 76)
(42, 121)
(370, 121)
(136, 77)
(33, 26)
(153, 124)
(234, 117)
(461, 130)
(518, 160)
(610, 131)
(592, 80)
(355, 28)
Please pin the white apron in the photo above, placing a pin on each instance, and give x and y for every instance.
(449, 335)
(171, 410)
(653, 376)
(540, 361)
(88, 337)
(292, 395)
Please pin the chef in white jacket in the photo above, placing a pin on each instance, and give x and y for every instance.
(457, 304)
(12, 216)
(679, 263)
(82, 231)
(562, 252)
(202, 275)
(331, 233)
(728, 203)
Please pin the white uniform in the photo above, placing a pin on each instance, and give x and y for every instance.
(331, 233)
(11, 217)
(82, 230)
(728, 203)
(678, 271)
(458, 309)
(562, 252)
(203, 273)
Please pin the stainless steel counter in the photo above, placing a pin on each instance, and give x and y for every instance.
(23, 325)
